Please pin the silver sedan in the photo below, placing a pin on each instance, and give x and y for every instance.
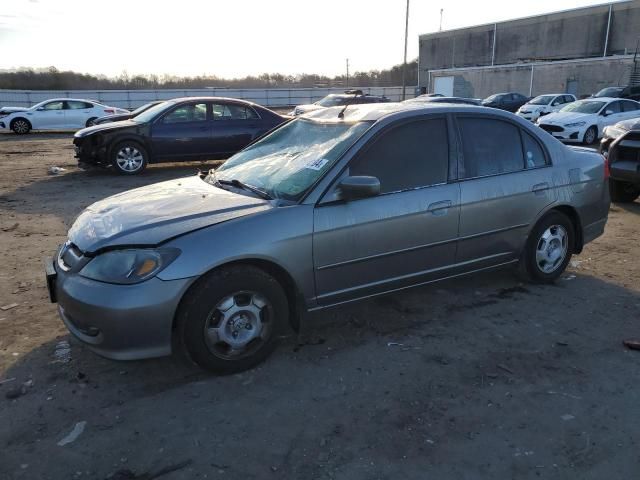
(335, 206)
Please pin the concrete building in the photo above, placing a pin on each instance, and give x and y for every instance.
(576, 51)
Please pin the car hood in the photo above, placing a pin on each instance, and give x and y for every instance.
(114, 117)
(633, 124)
(562, 118)
(13, 109)
(105, 127)
(153, 214)
(532, 106)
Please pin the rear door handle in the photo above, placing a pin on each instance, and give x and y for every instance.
(439, 208)
(540, 188)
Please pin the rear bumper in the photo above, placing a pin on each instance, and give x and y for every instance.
(593, 231)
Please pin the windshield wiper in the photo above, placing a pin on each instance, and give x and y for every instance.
(238, 184)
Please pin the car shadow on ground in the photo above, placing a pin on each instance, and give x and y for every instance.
(481, 375)
(632, 207)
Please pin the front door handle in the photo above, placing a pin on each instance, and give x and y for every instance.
(540, 188)
(439, 208)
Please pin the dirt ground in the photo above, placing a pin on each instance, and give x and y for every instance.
(482, 377)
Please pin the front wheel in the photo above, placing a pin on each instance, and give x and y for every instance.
(21, 126)
(548, 248)
(590, 136)
(230, 320)
(623, 192)
(129, 158)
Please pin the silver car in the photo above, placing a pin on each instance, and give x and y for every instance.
(337, 205)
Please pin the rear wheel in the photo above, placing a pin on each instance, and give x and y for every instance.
(548, 249)
(623, 192)
(20, 126)
(590, 136)
(230, 320)
(129, 158)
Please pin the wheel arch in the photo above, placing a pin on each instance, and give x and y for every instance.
(573, 215)
(13, 120)
(597, 129)
(115, 141)
(295, 299)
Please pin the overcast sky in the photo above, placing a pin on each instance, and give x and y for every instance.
(233, 38)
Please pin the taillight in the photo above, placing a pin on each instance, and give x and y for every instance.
(606, 168)
(109, 110)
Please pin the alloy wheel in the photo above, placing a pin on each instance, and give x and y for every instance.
(20, 126)
(590, 136)
(129, 159)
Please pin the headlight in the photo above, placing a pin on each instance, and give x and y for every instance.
(613, 132)
(126, 267)
(576, 124)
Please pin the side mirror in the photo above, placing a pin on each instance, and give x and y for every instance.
(40, 109)
(607, 113)
(359, 187)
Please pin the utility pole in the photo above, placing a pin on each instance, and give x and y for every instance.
(441, 10)
(404, 64)
(347, 73)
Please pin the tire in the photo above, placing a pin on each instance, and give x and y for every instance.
(129, 157)
(548, 249)
(590, 136)
(230, 320)
(623, 192)
(20, 126)
(90, 122)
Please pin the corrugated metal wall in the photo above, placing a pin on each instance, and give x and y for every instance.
(135, 98)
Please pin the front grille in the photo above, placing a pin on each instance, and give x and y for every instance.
(633, 136)
(551, 128)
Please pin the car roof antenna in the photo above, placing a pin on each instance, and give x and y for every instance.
(355, 94)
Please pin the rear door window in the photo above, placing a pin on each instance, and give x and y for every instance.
(490, 147)
(628, 106)
(231, 111)
(75, 105)
(411, 155)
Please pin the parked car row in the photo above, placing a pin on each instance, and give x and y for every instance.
(55, 114)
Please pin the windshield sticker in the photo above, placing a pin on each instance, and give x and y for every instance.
(317, 164)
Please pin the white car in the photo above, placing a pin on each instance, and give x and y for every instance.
(584, 120)
(55, 114)
(543, 105)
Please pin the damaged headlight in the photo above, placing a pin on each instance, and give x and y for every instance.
(126, 267)
(613, 132)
